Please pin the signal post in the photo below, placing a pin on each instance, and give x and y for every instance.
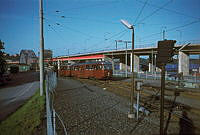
(165, 54)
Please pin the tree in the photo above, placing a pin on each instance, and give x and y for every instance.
(2, 60)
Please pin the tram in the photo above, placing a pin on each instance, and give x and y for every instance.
(96, 69)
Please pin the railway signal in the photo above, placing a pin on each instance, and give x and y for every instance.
(165, 54)
(165, 51)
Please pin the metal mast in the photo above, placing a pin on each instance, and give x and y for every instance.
(41, 48)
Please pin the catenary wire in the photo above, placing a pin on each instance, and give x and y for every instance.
(169, 10)
(155, 11)
(140, 11)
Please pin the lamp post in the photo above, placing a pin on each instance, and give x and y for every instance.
(129, 26)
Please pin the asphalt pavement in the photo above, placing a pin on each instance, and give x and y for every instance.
(13, 97)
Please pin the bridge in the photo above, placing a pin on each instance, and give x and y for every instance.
(124, 57)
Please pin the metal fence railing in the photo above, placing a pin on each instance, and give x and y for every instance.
(51, 83)
(186, 81)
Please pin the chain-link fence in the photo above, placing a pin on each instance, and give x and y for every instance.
(51, 83)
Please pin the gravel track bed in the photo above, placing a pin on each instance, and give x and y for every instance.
(90, 110)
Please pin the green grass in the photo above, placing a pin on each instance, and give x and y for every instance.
(26, 118)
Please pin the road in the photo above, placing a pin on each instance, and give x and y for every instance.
(16, 92)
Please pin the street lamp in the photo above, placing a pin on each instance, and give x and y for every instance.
(129, 26)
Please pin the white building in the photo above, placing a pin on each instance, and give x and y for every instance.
(27, 57)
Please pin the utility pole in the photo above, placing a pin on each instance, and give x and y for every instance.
(126, 42)
(152, 63)
(162, 100)
(41, 49)
(180, 36)
(116, 44)
(126, 60)
(163, 34)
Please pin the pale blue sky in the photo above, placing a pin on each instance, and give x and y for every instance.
(87, 23)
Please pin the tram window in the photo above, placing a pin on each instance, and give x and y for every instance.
(83, 67)
(87, 67)
(93, 67)
(90, 67)
(76, 68)
(107, 67)
(100, 67)
(97, 67)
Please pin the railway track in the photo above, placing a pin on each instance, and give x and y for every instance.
(173, 110)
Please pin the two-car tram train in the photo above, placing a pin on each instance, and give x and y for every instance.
(97, 69)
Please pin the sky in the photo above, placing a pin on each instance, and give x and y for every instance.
(81, 26)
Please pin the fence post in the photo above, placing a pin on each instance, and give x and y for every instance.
(48, 109)
(54, 122)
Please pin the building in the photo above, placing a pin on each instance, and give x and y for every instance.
(27, 57)
(48, 54)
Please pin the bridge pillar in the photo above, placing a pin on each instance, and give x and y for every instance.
(58, 64)
(136, 63)
(152, 68)
(183, 63)
(152, 61)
